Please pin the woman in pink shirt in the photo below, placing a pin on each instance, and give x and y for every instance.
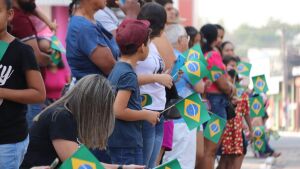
(219, 92)
(56, 78)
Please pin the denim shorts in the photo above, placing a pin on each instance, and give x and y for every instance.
(152, 142)
(218, 104)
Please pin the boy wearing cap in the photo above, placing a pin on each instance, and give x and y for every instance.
(126, 144)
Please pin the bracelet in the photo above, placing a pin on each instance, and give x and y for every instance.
(120, 167)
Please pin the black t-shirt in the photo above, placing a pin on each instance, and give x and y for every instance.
(54, 123)
(17, 59)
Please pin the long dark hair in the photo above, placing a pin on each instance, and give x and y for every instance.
(156, 15)
(209, 34)
(192, 32)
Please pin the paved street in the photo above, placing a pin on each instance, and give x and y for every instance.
(288, 145)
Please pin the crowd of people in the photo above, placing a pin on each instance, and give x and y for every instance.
(116, 53)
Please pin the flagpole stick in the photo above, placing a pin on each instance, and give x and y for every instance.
(161, 113)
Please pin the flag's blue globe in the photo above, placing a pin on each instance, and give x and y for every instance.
(193, 67)
(240, 68)
(256, 106)
(258, 142)
(217, 76)
(260, 83)
(85, 166)
(192, 109)
(194, 56)
(257, 133)
(214, 128)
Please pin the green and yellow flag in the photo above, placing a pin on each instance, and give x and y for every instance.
(244, 68)
(3, 48)
(195, 53)
(146, 100)
(215, 73)
(257, 107)
(260, 84)
(214, 128)
(193, 111)
(174, 164)
(260, 145)
(195, 70)
(56, 57)
(57, 45)
(82, 159)
(259, 138)
(259, 132)
(239, 90)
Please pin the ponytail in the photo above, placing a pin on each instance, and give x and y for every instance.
(209, 34)
(72, 6)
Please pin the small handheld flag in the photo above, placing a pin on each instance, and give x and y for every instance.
(214, 128)
(146, 100)
(193, 111)
(239, 90)
(178, 64)
(260, 145)
(215, 73)
(57, 45)
(259, 132)
(56, 57)
(3, 48)
(244, 68)
(174, 164)
(260, 84)
(259, 138)
(195, 53)
(256, 107)
(82, 159)
(195, 71)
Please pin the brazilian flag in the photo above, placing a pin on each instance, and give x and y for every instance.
(260, 84)
(215, 73)
(82, 159)
(214, 128)
(195, 53)
(193, 111)
(244, 68)
(57, 45)
(56, 57)
(257, 107)
(178, 64)
(3, 48)
(195, 70)
(260, 145)
(239, 90)
(174, 164)
(146, 100)
(259, 132)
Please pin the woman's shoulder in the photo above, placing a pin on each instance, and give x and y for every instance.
(81, 24)
(56, 112)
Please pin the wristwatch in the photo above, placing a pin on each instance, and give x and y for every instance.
(120, 167)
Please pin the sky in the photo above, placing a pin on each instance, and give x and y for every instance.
(233, 13)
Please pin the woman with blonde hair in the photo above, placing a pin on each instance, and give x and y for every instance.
(84, 115)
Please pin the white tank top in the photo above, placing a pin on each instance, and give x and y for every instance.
(153, 64)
